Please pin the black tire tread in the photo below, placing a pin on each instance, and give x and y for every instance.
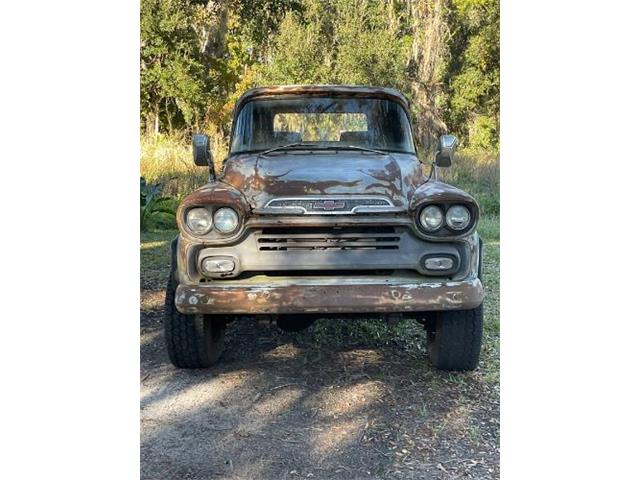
(458, 339)
(193, 341)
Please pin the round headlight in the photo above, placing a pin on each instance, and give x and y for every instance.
(431, 218)
(225, 220)
(458, 217)
(199, 220)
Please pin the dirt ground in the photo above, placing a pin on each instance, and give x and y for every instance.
(344, 399)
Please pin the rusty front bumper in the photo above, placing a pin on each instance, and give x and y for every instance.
(329, 297)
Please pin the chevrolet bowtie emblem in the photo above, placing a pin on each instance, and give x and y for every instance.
(328, 205)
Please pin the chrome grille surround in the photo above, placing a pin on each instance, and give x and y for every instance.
(329, 205)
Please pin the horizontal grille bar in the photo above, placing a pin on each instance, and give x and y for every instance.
(281, 239)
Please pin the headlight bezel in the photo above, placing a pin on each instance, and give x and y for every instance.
(445, 231)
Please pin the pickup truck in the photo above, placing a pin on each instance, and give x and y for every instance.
(322, 209)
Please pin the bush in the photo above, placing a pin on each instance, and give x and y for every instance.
(156, 211)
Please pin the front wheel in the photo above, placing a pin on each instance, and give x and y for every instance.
(193, 341)
(455, 338)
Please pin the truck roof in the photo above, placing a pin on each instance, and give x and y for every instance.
(345, 90)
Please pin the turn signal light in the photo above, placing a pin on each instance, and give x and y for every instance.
(217, 265)
(438, 263)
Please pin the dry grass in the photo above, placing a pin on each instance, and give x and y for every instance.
(168, 160)
(480, 176)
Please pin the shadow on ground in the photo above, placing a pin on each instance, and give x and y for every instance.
(318, 404)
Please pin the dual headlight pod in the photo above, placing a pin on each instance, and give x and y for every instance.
(200, 220)
(457, 218)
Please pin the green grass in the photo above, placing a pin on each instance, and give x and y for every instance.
(489, 227)
(155, 258)
(490, 359)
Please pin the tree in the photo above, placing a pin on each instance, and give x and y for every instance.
(473, 73)
(344, 41)
(427, 65)
(198, 56)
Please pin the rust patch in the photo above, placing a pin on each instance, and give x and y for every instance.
(337, 90)
(335, 298)
(440, 192)
(328, 173)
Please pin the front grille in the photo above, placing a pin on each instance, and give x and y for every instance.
(329, 204)
(333, 238)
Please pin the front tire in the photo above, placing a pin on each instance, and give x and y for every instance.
(455, 339)
(193, 341)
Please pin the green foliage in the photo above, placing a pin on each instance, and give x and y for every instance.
(198, 56)
(172, 75)
(342, 41)
(259, 20)
(155, 210)
(472, 78)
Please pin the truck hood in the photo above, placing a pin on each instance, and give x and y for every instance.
(299, 174)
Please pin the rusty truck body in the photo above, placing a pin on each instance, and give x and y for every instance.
(322, 208)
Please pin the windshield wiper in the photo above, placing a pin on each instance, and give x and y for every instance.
(320, 147)
(285, 147)
(354, 147)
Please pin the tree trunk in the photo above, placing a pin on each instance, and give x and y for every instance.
(214, 37)
(168, 112)
(427, 53)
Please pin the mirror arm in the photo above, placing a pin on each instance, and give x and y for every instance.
(212, 171)
(433, 172)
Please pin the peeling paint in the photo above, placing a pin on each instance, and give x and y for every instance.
(323, 298)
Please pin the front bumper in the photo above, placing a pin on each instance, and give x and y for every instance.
(329, 296)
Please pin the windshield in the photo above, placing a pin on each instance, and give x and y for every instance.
(322, 122)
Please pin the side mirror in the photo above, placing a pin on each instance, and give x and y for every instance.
(446, 149)
(201, 150)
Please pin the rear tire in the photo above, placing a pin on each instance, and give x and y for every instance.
(193, 341)
(455, 339)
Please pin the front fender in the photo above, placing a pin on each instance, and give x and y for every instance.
(442, 194)
(439, 192)
(215, 194)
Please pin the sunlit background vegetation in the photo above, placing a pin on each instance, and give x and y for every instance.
(198, 56)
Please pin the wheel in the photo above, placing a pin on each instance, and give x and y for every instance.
(455, 339)
(193, 341)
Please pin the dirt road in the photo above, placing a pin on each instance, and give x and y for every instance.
(342, 400)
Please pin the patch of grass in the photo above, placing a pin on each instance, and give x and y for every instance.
(480, 176)
(490, 358)
(475, 434)
(168, 160)
(489, 228)
(155, 258)
(373, 332)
